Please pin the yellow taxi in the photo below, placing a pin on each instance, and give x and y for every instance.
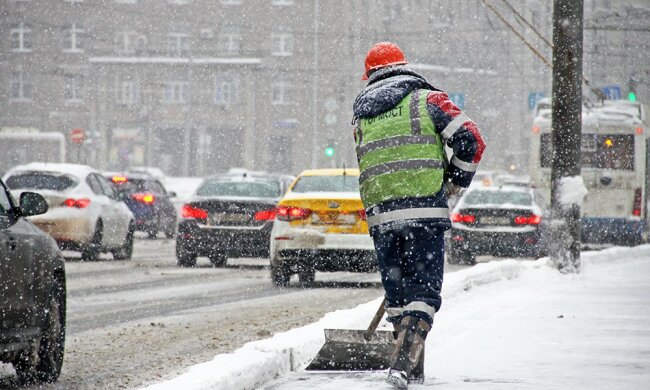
(321, 226)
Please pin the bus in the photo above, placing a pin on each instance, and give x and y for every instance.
(614, 160)
(19, 147)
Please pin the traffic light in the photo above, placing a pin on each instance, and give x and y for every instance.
(329, 151)
(631, 96)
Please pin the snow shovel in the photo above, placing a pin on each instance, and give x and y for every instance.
(356, 349)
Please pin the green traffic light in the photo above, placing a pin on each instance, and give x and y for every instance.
(329, 151)
(631, 97)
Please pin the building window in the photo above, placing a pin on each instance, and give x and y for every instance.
(20, 86)
(282, 2)
(229, 40)
(226, 89)
(73, 38)
(178, 44)
(282, 42)
(129, 42)
(281, 92)
(21, 35)
(127, 91)
(176, 92)
(73, 88)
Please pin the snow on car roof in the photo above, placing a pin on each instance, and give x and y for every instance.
(78, 170)
(501, 188)
(330, 172)
(610, 111)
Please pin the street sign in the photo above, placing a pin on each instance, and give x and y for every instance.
(613, 92)
(533, 98)
(77, 136)
(458, 99)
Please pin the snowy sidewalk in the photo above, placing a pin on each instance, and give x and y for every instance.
(504, 325)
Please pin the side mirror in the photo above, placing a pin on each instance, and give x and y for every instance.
(172, 194)
(32, 203)
(121, 196)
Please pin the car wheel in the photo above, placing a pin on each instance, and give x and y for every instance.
(45, 365)
(218, 259)
(185, 257)
(152, 233)
(306, 277)
(126, 251)
(91, 251)
(461, 257)
(280, 275)
(170, 232)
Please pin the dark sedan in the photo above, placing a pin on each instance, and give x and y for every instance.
(497, 221)
(149, 202)
(230, 215)
(32, 291)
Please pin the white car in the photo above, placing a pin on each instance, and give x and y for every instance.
(85, 213)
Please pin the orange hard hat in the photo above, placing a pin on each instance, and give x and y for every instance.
(381, 55)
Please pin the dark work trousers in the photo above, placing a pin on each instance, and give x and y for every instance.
(411, 262)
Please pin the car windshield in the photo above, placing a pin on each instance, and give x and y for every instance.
(327, 184)
(498, 197)
(249, 189)
(40, 181)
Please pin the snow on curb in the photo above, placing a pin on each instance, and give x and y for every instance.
(260, 361)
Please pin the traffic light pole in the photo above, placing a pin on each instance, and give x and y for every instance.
(566, 126)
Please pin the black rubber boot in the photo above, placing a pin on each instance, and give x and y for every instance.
(408, 350)
(417, 374)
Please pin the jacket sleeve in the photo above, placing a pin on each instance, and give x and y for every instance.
(460, 134)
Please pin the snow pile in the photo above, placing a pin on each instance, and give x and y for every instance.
(260, 361)
(572, 190)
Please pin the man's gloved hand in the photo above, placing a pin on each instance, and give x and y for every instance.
(452, 189)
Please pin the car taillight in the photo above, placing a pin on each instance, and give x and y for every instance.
(77, 203)
(362, 214)
(528, 220)
(636, 207)
(289, 213)
(189, 211)
(144, 198)
(462, 218)
(265, 215)
(119, 179)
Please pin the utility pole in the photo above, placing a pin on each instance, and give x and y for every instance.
(315, 81)
(566, 126)
(187, 133)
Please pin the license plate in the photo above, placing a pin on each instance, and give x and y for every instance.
(219, 218)
(495, 221)
(333, 219)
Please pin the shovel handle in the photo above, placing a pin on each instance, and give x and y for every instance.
(375, 321)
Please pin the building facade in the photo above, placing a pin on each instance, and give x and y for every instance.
(198, 86)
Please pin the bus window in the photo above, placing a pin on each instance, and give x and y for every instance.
(602, 151)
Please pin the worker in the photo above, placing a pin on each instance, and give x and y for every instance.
(402, 124)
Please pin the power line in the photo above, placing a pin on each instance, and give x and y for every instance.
(525, 21)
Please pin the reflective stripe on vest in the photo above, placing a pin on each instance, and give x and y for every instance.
(396, 141)
(403, 214)
(394, 166)
(400, 156)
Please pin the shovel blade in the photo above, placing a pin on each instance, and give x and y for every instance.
(348, 350)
